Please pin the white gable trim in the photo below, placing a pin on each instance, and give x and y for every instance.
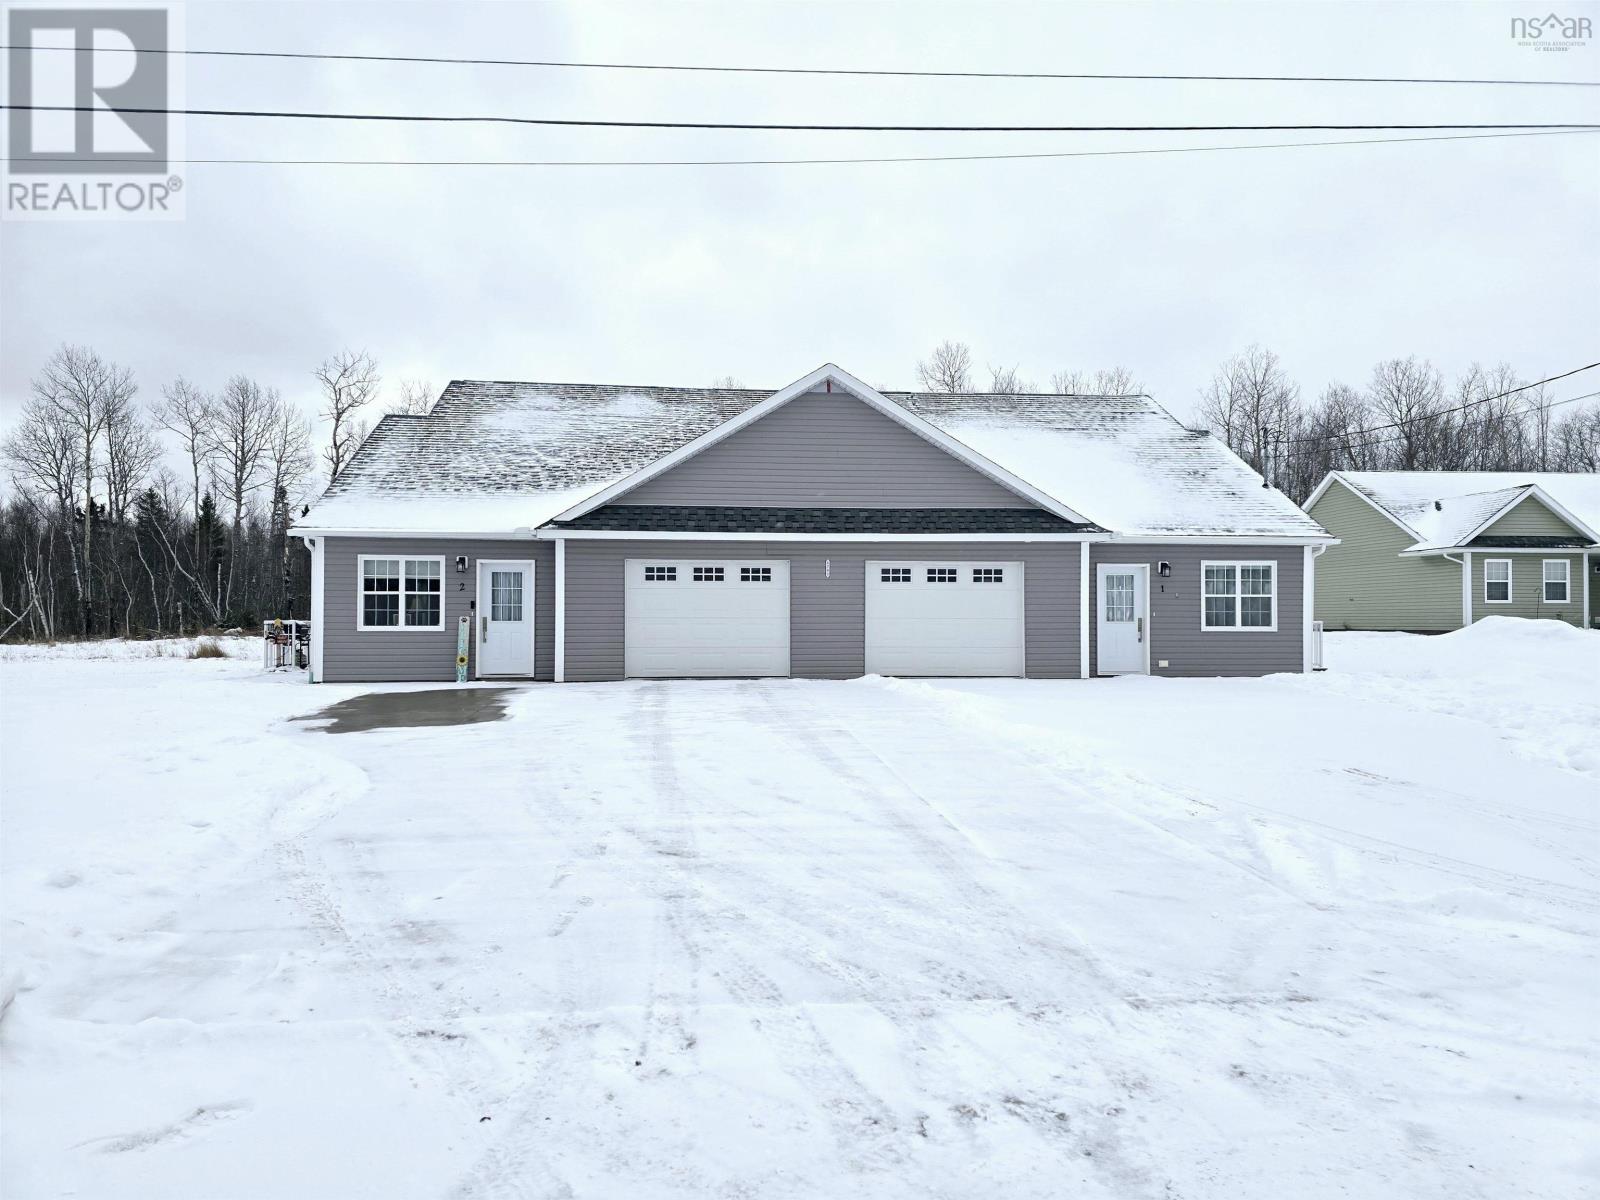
(1335, 477)
(868, 396)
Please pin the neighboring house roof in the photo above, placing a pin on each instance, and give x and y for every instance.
(1447, 510)
(507, 457)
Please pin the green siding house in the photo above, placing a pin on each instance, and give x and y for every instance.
(1431, 551)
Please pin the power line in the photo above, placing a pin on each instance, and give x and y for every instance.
(775, 127)
(856, 72)
(1340, 444)
(1445, 412)
(800, 162)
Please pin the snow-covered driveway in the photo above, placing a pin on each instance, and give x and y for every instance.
(1329, 936)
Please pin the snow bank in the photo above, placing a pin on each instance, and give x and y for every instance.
(127, 649)
(1534, 683)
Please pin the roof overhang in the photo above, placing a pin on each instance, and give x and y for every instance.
(526, 532)
(828, 373)
(658, 535)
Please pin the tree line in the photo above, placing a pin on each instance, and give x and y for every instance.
(100, 536)
(1405, 417)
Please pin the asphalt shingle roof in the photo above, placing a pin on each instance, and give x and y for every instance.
(701, 518)
(503, 456)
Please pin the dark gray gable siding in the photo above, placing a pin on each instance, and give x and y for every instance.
(353, 655)
(1175, 633)
(825, 450)
(827, 632)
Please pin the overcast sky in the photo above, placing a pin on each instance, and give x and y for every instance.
(1334, 257)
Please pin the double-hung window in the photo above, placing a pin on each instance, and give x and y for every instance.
(401, 593)
(1557, 580)
(1239, 595)
(1497, 581)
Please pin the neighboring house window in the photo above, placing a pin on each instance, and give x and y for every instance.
(1239, 595)
(1557, 580)
(894, 574)
(708, 574)
(401, 593)
(1497, 581)
(660, 574)
(755, 574)
(943, 575)
(988, 575)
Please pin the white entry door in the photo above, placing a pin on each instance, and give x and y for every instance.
(945, 618)
(505, 617)
(704, 617)
(1124, 620)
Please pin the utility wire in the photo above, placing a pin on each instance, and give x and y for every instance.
(1340, 444)
(1445, 412)
(803, 162)
(856, 72)
(774, 127)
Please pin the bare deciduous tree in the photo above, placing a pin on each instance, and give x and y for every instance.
(1008, 381)
(726, 383)
(948, 369)
(84, 389)
(1409, 395)
(1113, 381)
(245, 414)
(349, 381)
(188, 414)
(415, 400)
(1250, 403)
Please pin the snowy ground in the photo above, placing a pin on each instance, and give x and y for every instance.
(1329, 936)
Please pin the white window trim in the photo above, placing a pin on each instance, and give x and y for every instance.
(1238, 596)
(1566, 565)
(402, 559)
(1510, 580)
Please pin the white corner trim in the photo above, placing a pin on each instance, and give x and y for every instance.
(1588, 618)
(1308, 596)
(861, 391)
(317, 546)
(1466, 584)
(560, 667)
(1085, 606)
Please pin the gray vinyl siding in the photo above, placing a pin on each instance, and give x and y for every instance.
(1363, 583)
(827, 633)
(1527, 588)
(1530, 519)
(396, 655)
(1175, 633)
(825, 450)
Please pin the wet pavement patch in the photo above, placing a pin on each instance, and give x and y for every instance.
(411, 710)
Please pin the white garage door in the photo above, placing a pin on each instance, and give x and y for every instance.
(706, 617)
(944, 618)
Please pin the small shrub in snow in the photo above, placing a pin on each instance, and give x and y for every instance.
(207, 648)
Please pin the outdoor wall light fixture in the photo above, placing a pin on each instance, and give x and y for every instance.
(1164, 569)
(461, 564)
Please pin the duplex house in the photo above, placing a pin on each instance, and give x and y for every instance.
(827, 530)
(1431, 551)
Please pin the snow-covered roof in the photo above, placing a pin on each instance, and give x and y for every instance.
(1444, 509)
(507, 457)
